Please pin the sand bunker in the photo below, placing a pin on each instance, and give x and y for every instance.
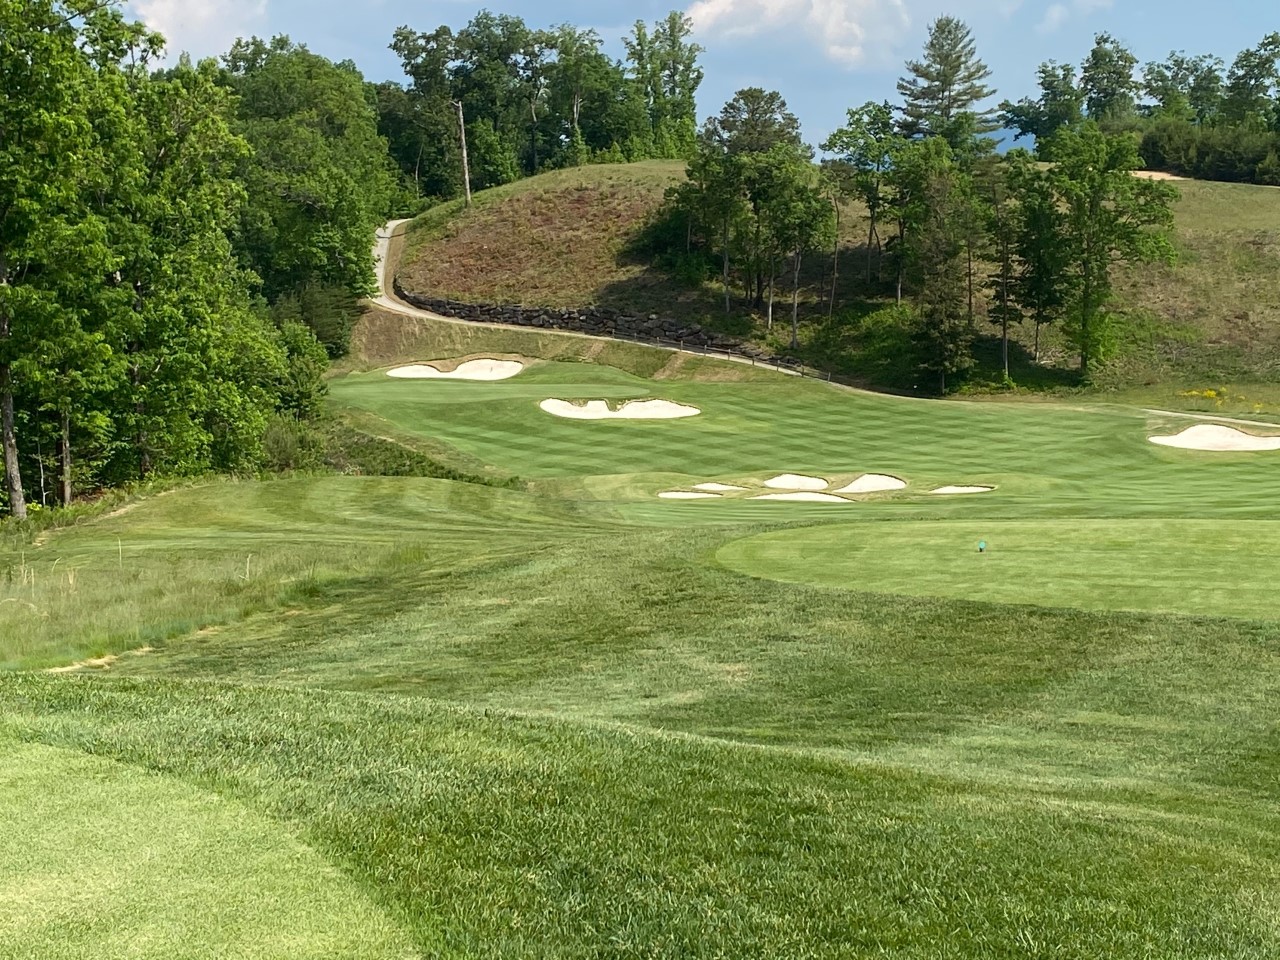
(718, 487)
(631, 410)
(1215, 437)
(874, 483)
(467, 370)
(946, 490)
(803, 497)
(687, 495)
(796, 481)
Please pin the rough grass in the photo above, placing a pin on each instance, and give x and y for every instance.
(555, 240)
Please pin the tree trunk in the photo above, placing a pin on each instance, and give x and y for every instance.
(871, 238)
(8, 437)
(1086, 316)
(533, 134)
(466, 164)
(64, 460)
(1004, 343)
(758, 269)
(773, 270)
(902, 264)
(1036, 353)
(795, 305)
(726, 265)
(968, 247)
(12, 477)
(835, 264)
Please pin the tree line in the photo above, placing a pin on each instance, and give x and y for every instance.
(498, 100)
(171, 242)
(955, 230)
(1191, 114)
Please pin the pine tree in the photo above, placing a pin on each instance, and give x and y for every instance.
(947, 83)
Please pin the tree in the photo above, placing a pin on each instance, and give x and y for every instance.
(1060, 104)
(664, 67)
(419, 123)
(712, 197)
(1040, 281)
(318, 177)
(754, 129)
(866, 145)
(937, 256)
(44, 121)
(1109, 216)
(1000, 187)
(1106, 77)
(1184, 88)
(947, 82)
(1249, 98)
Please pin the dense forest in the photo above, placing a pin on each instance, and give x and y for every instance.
(183, 245)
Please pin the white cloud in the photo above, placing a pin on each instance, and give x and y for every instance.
(203, 28)
(851, 32)
(1059, 13)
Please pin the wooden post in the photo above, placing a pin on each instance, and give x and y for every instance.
(462, 136)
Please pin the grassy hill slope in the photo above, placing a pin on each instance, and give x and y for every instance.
(574, 237)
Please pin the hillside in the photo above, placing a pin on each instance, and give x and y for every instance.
(577, 237)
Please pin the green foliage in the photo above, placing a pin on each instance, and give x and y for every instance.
(318, 179)
(1060, 104)
(1108, 83)
(948, 82)
(289, 444)
(1108, 216)
(306, 362)
(329, 311)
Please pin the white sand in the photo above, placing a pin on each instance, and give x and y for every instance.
(803, 497)
(467, 370)
(796, 481)
(686, 495)
(631, 410)
(874, 483)
(946, 490)
(1156, 175)
(1213, 436)
(718, 487)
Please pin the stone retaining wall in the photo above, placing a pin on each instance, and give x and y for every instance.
(597, 321)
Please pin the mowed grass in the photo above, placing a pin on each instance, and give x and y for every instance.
(499, 836)
(103, 859)
(551, 722)
(1045, 459)
(1205, 567)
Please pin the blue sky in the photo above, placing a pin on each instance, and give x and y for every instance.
(823, 55)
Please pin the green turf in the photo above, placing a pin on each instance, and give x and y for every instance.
(1207, 567)
(1047, 459)
(500, 836)
(152, 867)
(553, 721)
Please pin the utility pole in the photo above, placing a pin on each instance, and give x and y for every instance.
(462, 135)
